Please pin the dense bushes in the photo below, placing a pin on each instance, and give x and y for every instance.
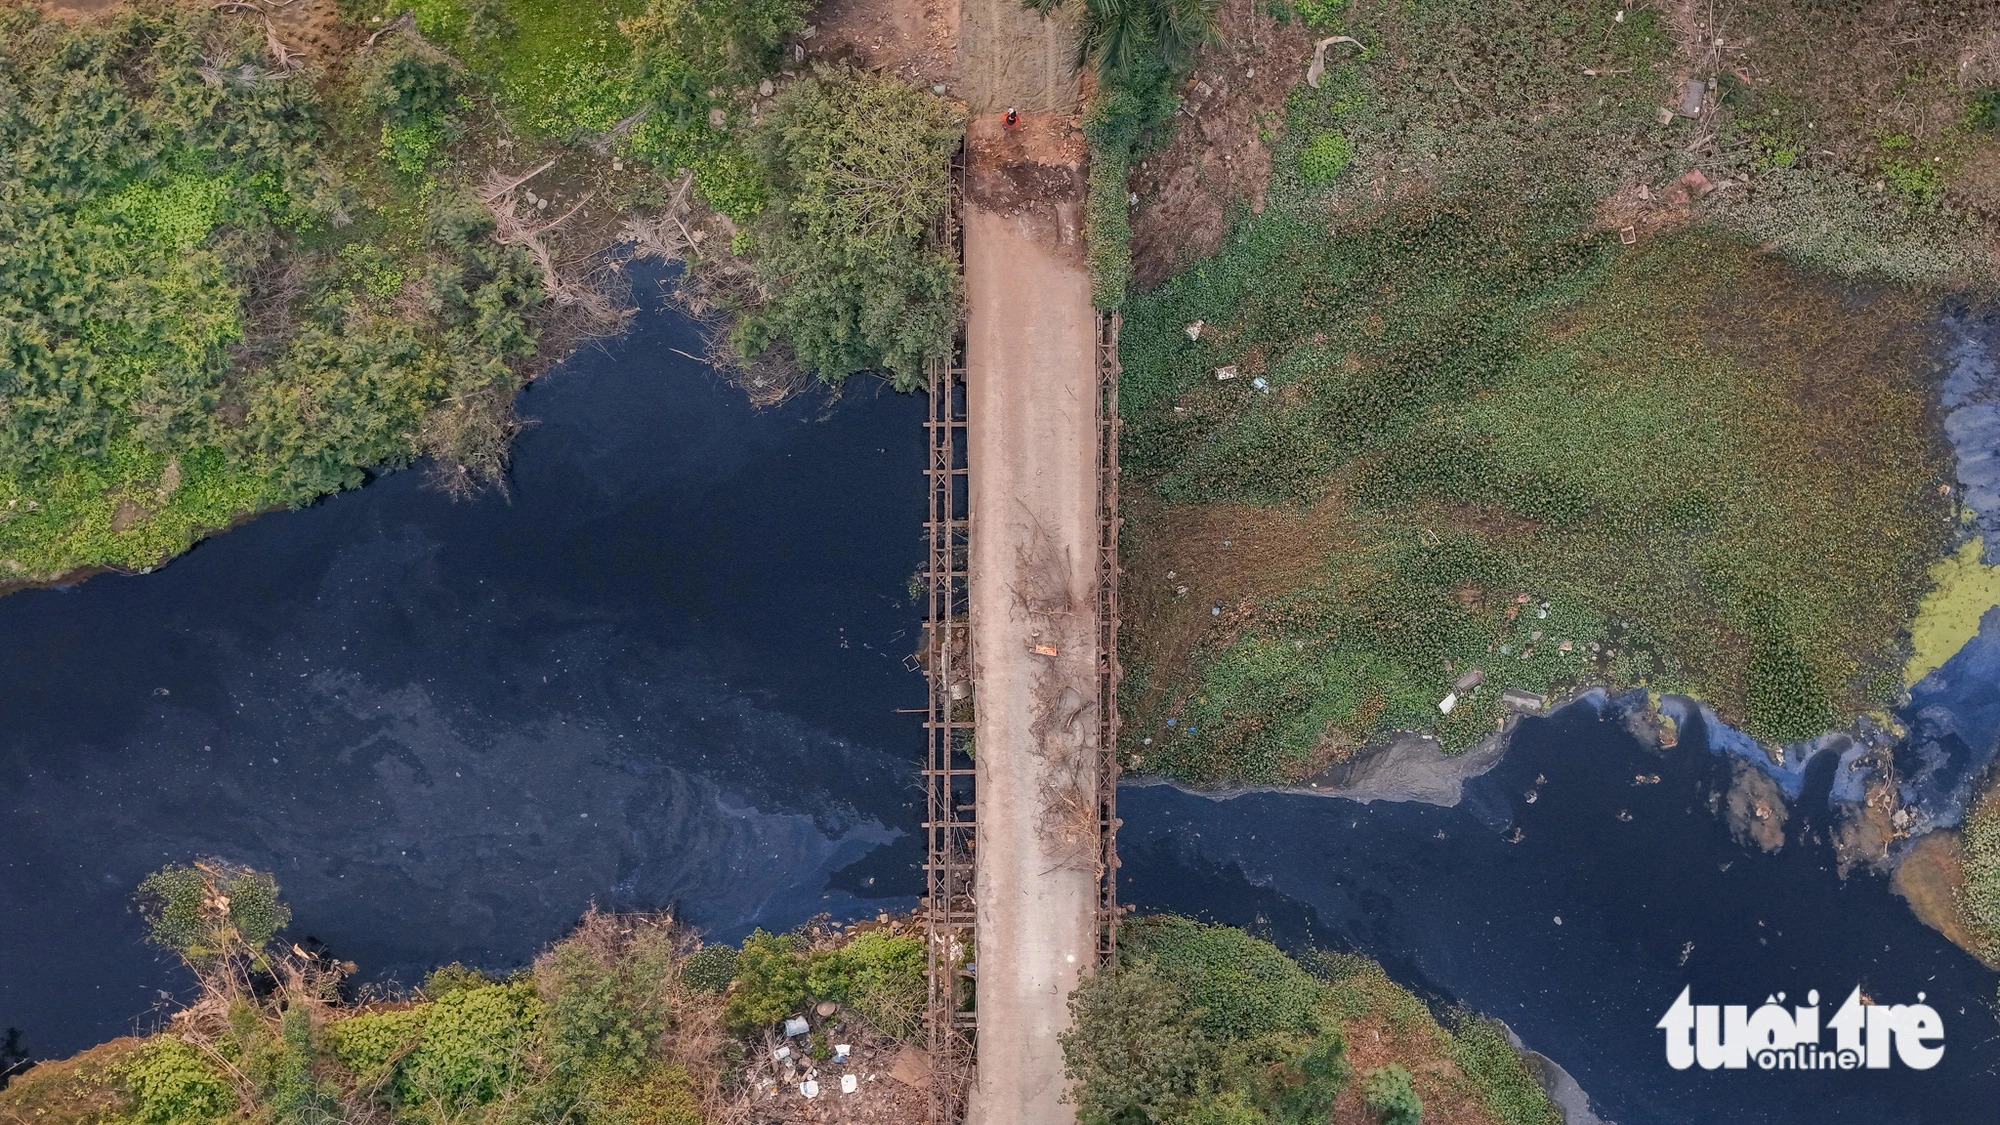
(1201, 1024)
(1979, 894)
(203, 312)
(857, 170)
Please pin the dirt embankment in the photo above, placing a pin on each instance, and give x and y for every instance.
(1232, 110)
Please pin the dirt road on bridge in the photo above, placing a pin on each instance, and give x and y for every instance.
(1031, 378)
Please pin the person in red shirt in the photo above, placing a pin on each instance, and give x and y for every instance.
(1013, 117)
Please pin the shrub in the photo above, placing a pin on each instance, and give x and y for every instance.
(770, 982)
(212, 910)
(409, 80)
(474, 1046)
(856, 164)
(1242, 986)
(880, 976)
(721, 42)
(455, 977)
(369, 1042)
(1134, 1051)
(172, 1084)
(1979, 894)
(1983, 110)
(606, 1002)
(710, 968)
(1388, 1094)
(1323, 158)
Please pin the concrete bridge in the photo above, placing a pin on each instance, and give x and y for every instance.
(1023, 579)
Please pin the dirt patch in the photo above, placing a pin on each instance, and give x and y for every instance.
(1032, 174)
(1928, 878)
(879, 1097)
(1755, 807)
(1183, 563)
(1233, 108)
(81, 1090)
(915, 40)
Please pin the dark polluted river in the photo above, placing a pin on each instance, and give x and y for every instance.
(670, 670)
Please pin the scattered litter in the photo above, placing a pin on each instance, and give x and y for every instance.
(1559, 919)
(1532, 796)
(841, 1051)
(1131, 199)
(1173, 722)
(795, 1027)
(782, 1053)
(765, 89)
(1173, 574)
(1448, 702)
(617, 165)
(1542, 612)
(1044, 650)
(1194, 330)
(1628, 236)
(938, 90)
(1523, 701)
(826, 1008)
(849, 1083)
(1260, 384)
(1625, 815)
(1224, 374)
(1470, 680)
(809, 1089)
(1514, 837)
(1215, 610)
(1697, 185)
(1692, 93)
(1666, 116)
(1565, 646)
(1645, 779)
(1180, 591)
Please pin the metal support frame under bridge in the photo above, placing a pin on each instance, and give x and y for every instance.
(950, 824)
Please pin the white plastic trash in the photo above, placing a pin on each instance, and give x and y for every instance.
(1224, 374)
(809, 1089)
(1194, 330)
(782, 1053)
(849, 1083)
(795, 1027)
(841, 1051)
(1448, 702)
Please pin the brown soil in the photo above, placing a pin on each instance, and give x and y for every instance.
(1232, 554)
(1397, 1028)
(1032, 174)
(1928, 878)
(80, 1090)
(1234, 100)
(879, 1099)
(916, 40)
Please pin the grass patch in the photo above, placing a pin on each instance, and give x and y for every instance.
(1550, 458)
(1962, 589)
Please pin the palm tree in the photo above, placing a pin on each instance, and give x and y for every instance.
(1119, 35)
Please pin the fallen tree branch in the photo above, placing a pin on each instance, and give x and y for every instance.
(1318, 66)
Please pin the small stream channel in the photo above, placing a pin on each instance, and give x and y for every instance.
(670, 670)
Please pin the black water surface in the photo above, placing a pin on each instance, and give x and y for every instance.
(1617, 895)
(669, 670)
(666, 672)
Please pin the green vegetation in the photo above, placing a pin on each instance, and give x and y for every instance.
(1526, 449)
(207, 312)
(213, 911)
(1138, 52)
(610, 1026)
(1388, 1093)
(1206, 1025)
(857, 167)
(1963, 588)
(234, 282)
(1979, 894)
